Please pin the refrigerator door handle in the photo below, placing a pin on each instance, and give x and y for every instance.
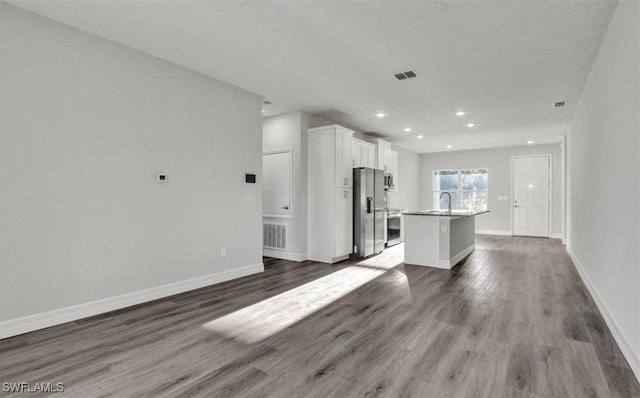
(369, 201)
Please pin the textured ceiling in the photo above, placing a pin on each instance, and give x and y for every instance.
(505, 63)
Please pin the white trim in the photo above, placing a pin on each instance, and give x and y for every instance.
(550, 198)
(14, 327)
(284, 255)
(455, 260)
(448, 263)
(493, 232)
(563, 188)
(555, 235)
(269, 215)
(623, 342)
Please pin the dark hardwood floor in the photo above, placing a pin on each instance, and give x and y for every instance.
(513, 319)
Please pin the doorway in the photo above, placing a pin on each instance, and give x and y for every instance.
(276, 188)
(531, 195)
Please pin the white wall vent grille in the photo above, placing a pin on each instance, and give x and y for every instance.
(274, 236)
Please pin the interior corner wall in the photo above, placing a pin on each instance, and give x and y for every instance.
(604, 179)
(86, 125)
(289, 131)
(284, 132)
(498, 161)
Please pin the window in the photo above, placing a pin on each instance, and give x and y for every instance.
(468, 188)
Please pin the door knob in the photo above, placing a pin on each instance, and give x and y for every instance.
(285, 207)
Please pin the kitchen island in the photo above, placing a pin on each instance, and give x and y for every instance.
(439, 238)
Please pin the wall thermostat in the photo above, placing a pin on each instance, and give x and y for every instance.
(250, 178)
(161, 177)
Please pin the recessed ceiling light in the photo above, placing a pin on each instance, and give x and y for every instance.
(448, 146)
(380, 115)
(529, 142)
(471, 125)
(263, 111)
(407, 129)
(460, 113)
(419, 136)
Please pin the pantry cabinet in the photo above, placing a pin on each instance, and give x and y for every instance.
(330, 195)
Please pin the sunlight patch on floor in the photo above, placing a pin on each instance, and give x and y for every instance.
(268, 317)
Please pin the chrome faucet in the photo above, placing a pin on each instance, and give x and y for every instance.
(449, 195)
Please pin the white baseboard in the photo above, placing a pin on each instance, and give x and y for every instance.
(627, 349)
(14, 327)
(493, 232)
(284, 255)
(462, 255)
(554, 235)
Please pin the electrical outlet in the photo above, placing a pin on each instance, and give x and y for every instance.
(223, 252)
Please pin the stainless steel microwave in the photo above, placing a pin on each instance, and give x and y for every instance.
(388, 181)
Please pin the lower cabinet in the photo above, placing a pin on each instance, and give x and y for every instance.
(343, 222)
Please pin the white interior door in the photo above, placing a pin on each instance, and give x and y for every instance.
(531, 204)
(276, 183)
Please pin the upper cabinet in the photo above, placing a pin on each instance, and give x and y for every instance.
(383, 161)
(332, 145)
(393, 168)
(387, 160)
(344, 169)
(363, 154)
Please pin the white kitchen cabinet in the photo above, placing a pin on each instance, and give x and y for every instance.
(370, 151)
(387, 160)
(344, 222)
(383, 159)
(330, 197)
(393, 168)
(363, 154)
(343, 167)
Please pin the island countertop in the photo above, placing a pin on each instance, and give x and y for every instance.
(445, 213)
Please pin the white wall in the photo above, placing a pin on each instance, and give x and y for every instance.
(408, 194)
(86, 124)
(498, 161)
(603, 151)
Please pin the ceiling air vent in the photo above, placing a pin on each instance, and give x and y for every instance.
(559, 104)
(406, 75)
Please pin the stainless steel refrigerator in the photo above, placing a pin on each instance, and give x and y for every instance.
(368, 211)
